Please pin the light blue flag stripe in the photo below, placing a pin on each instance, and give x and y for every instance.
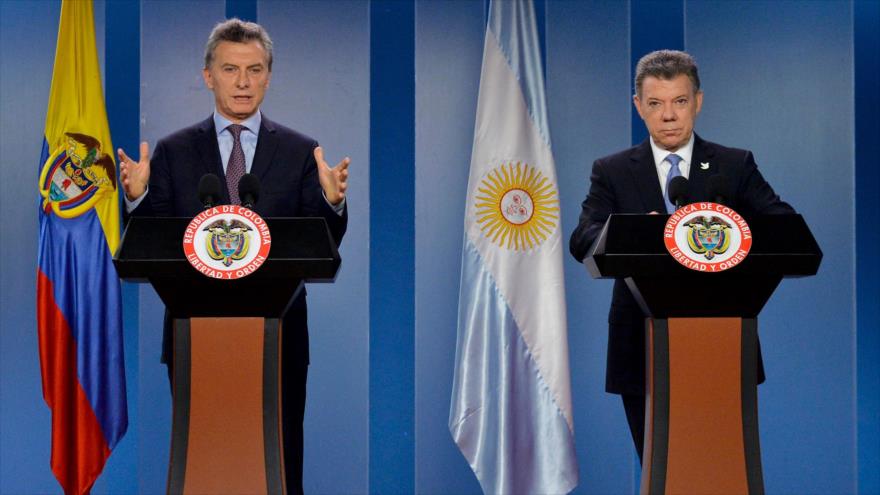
(503, 415)
(514, 26)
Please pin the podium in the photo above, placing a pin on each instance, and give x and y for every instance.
(701, 410)
(226, 431)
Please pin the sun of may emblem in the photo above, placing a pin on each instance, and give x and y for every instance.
(516, 206)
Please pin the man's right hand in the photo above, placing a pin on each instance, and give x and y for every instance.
(135, 175)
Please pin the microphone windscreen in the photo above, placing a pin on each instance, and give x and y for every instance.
(677, 190)
(249, 189)
(717, 188)
(209, 189)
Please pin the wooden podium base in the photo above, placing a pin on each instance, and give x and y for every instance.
(226, 431)
(701, 411)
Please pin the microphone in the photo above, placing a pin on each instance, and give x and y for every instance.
(677, 191)
(717, 188)
(249, 190)
(209, 190)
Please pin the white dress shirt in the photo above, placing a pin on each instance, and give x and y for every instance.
(686, 152)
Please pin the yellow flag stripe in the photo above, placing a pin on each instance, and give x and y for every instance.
(76, 100)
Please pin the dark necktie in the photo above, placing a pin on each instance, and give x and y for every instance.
(674, 172)
(236, 165)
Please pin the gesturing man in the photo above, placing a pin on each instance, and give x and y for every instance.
(237, 139)
(668, 98)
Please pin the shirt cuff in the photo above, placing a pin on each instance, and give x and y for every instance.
(339, 209)
(131, 205)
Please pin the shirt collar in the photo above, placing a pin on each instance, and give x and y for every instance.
(252, 123)
(685, 152)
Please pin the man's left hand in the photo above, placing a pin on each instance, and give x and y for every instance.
(334, 181)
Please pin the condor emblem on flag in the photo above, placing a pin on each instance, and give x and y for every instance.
(75, 174)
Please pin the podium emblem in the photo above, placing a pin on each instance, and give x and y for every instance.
(517, 207)
(707, 237)
(227, 242)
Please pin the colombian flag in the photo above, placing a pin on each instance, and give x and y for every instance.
(79, 302)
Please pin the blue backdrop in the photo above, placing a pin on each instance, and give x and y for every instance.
(394, 86)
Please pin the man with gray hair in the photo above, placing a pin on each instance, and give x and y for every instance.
(668, 99)
(237, 139)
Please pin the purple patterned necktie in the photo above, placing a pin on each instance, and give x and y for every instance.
(235, 167)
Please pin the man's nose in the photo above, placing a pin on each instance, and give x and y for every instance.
(668, 113)
(242, 81)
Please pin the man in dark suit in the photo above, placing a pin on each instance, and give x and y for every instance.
(238, 138)
(668, 99)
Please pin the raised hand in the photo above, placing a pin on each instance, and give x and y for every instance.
(334, 181)
(135, 175)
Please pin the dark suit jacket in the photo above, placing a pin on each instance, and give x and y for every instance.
(285, 165)
(626, 182)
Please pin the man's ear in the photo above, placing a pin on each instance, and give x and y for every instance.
(209, 81)
(637, 103)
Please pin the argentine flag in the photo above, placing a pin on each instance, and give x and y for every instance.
(511, 412)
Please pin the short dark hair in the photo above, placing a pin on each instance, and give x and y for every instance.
(237, 31)
(666, 65)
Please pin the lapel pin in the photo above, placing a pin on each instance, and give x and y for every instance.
(704, 165)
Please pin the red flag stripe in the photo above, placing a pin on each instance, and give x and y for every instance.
(79, 449)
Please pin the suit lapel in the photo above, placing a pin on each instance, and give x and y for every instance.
(267, 142)
(644, 172)
(209, 153)
(699, 176)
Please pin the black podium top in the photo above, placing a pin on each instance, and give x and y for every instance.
(631, 247)
(302, 250)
